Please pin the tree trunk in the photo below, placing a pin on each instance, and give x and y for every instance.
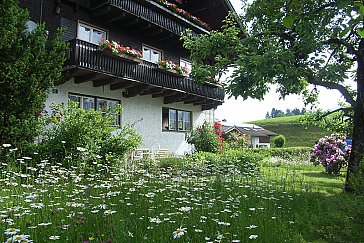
(358, 130)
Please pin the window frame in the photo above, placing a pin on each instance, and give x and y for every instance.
(177, 120)
(154, 49)
(92, 27)
(95, 99)
(186, 61)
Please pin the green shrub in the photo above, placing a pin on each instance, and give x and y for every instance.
(30, 63)
(279, 141)
(293, 153)
(204, 138)
(73, 133)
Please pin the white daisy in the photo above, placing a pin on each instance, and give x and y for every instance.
(11, 231)
(179, 232)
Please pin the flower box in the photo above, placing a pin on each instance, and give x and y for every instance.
(171, 71)
(107, 52)
(130, 58)
(126, 57)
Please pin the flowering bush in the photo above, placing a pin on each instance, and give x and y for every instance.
(118, 49)
(332, 152)
(184, 13)
(204, 138)
(169, 65)
(218, 132)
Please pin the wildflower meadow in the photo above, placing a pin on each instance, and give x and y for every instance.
(183, 200)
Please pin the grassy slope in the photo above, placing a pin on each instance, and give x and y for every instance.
(296, 134)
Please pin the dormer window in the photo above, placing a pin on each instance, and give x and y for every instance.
(151, 54)
(90, 34)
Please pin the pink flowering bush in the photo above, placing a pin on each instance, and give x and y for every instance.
(332, 152)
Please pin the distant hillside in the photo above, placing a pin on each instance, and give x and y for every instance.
(296, 134)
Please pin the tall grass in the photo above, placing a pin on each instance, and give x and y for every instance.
(285, 201)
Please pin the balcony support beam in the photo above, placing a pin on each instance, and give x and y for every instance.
(166, 92)
(174, 98)
(105, 81)
(211, 106)
(121, 85)
(153, 90)
(85, 78)
(135, 90)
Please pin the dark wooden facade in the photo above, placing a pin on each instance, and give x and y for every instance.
(133, 23)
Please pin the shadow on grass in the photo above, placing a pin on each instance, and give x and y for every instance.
(322, 175)
(334, 218)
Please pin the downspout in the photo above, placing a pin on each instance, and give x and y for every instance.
(41, 12)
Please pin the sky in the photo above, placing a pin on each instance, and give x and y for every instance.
(238, 111)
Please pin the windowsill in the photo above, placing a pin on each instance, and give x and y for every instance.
(149, 61)
(176, 131)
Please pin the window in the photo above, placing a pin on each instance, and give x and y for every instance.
(186, 64)
(87, 103)
(152, 55)
(176, 120)
(90, 34)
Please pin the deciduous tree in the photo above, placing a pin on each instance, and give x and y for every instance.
(290, 43)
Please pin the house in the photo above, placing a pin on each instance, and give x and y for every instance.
(258, 136)
(162, 105)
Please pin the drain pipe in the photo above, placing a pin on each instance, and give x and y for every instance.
(41, 12)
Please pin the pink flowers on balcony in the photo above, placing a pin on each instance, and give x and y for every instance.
(118, 49)
(172, 67)
(184, 13)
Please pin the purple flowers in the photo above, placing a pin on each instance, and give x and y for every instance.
(332, 152)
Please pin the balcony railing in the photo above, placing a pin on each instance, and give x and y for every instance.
(86, 56)
(152, 12)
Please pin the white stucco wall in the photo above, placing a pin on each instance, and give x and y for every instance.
(144, 112)
(255, 143)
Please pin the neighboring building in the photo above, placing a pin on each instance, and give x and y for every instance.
(259, 137)
(160, 104)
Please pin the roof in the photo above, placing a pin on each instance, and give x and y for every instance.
(249, 130)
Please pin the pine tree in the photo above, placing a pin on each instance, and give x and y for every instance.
(30, 64)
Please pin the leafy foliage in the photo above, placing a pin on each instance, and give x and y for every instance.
(279, 141)
(30, 63)
(204, 138)
(337, 121)
(69, 131)
(332, 153)
(290, 44)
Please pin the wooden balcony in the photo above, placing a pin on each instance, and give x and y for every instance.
(148, 15)
(87, 64)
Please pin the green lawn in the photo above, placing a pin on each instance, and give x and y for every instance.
(286, 201)
(295, 133)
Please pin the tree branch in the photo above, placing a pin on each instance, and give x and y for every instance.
(347, 95)
(346, 111)
(350, 48)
